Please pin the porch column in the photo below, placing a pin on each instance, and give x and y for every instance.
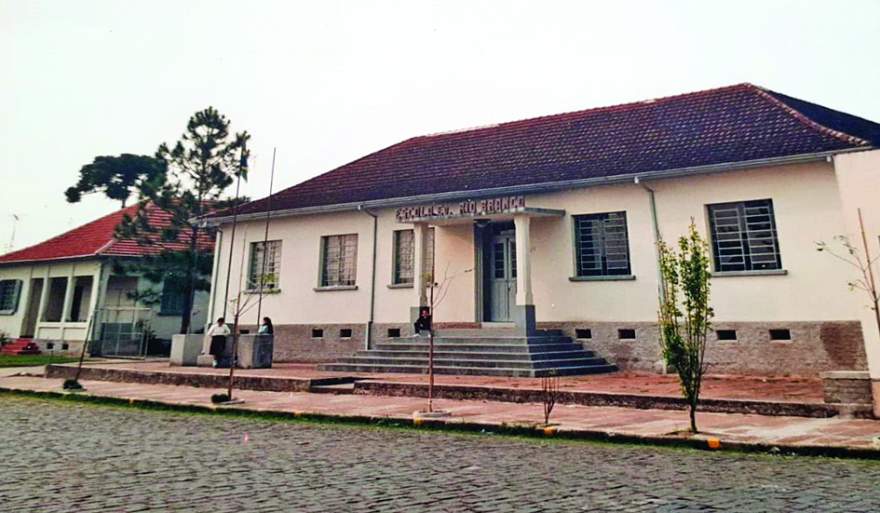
(420, 278)
(98, 287)
(68, 295)
(525, 303)
(44, 301)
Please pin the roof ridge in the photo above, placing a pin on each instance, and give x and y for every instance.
(606, 108)
(806, 120)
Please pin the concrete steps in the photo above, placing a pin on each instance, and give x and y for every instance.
(495, 352)
(20, 346)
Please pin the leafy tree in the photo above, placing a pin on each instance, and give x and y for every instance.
(685, 313)
(199, 167)
(116, 177)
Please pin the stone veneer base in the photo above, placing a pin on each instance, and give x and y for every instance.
(815, 346)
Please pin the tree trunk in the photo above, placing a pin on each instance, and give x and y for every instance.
(189, 289)
(693, 415)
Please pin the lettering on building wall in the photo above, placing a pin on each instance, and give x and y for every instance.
(465, 208)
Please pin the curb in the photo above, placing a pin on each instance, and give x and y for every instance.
(531, 431)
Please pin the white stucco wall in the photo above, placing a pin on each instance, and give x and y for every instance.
(858, 178)
(64, 330)
(807, 207)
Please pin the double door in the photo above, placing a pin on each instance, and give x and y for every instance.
(502, 269)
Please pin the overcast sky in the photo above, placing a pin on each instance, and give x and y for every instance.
(327, 82)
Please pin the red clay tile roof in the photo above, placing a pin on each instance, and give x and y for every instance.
(731, 124)
(97, 239)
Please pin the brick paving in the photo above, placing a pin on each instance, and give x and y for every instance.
(74, 457)
(786, 389)
(782, 431)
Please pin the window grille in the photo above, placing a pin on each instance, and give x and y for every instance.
(404, 249)
(601, 244)
(339, 267)
(270, 253)
(744, 236)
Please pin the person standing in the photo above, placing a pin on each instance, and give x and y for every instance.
(217, 333)
(266, 328)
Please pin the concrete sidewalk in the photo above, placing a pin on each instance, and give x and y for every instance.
(831, 436)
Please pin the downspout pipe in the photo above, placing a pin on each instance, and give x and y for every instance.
(661, 288)
(369, 331)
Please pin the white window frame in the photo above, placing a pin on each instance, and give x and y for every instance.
(403, 257)
(609, 256)
(272, 276)
(343, 272)
(15, 287)
(746, 236)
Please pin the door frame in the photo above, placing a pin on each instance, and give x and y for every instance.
(484, 231)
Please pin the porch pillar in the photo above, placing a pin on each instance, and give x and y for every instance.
(68, 295)
(420, 273)
(44, 301)
(525, 303)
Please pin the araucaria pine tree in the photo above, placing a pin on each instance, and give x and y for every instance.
(200, 166)
(685, 313)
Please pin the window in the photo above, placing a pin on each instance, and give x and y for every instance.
(429, 252)
(404, 256)
(317, 333)
(404, 249)
(601, 246)
(171, 302)
(583, 333)
(9, 292)
(393, 332)
(345, 333)
(744, 236)
(265, 263)
(339, 265)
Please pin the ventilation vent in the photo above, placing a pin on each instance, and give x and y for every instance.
(780, 334)
(393, 332)
(65, 346)
(50, 345)
(726, 334)
(583, 333)
(345, 333)
(626, 334)
(317, 333)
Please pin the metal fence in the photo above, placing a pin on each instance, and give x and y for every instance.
(122, 332)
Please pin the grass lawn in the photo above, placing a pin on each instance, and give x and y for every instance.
(33, 360)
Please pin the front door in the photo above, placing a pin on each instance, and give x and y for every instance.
(502, 272)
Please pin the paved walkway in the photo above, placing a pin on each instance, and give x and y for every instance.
(782, 389)
(797, 433)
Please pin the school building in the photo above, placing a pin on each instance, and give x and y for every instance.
(544, 230)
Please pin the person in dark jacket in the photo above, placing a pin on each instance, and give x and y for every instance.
(423, 323)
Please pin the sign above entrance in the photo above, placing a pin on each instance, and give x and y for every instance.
(465, 208)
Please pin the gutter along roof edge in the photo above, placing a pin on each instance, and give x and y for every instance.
(537, 188)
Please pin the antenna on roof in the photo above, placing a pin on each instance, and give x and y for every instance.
(15, 220)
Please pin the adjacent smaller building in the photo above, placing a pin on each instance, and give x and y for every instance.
(64, 291)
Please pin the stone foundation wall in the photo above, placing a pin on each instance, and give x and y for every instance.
(847, 387)
(295, 343)
(65, 347)
(813, 348)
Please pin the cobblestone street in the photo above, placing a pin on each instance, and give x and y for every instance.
(60, 457)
